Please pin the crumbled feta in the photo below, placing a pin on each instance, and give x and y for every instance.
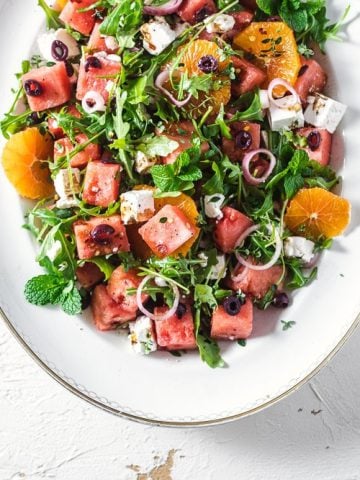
(143, 163)
(220, 24)
(114, 58)
(264, 99)
(142, 336)
(46, 40)
(218, 271)
(180, 28)
(137, 206)
(160, 282)
(213, 205)
(324, 112)
(54, 250)
(299, 247)
(157, 35)
(111, 43)
(67, 187)
(93, 102)
(287, 117)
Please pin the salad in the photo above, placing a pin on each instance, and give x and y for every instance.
(179, 153)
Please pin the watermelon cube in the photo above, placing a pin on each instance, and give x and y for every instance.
(311, 79)
(47, 87)
(181, 133)
(82, 22)
(89, 275)
(195, 11)
(101, 184)
(167, 231)
(248, 77)
(232, 327)
(107, 314)
(63, 146)
(97, 73)
(257, 282)
(100, 43)
(246, 137)
(228, 230)
(100, 236)
(177, 332)
(120, 282)
(319, 144)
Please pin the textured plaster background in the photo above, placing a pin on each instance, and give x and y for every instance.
(48, 433)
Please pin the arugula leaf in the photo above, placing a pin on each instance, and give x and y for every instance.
(209, 349)
(253, 112)
(52, 16)
(204, 294)
(106, 267)
(125, 17)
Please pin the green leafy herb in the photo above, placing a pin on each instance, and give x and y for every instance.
(52, 16)
(287, 325)
(124, 18)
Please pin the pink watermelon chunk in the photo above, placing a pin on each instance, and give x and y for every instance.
(175, 333)
(248, 77)
(312, 78)
(97, 42)
(321, 148)
(97, 75)
(242, 20)
(101, 184)
(107, 314)
(89, 275)
(47, 87)
(257, 282)
(82, 22)
(236, 151)
(232, 327)
(229, 228)
(121, 281)
(63, 146)
(194, 11)
(109, 240)
(167, 231)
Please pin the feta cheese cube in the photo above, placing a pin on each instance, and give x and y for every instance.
(287, 117)
(143, 163)
(142, 336)
(324, 112)
(137, 206)
(299, 247)
(264, 99)
(67, 186)
(220, 24)
(157, 35)
(111, 43)
(213, 205)
(46, 41)
(218, 271)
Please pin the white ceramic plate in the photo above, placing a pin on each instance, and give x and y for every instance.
(163, 389)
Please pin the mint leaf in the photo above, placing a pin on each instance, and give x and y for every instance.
(44, 289)
(293, 184)
(268, 6)
(209, 352)
(71, 301)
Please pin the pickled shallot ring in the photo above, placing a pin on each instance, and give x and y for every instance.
(167, 9)
(159, 82)
(291, 100)
(246, 166)
(275, 257)
(146, 312)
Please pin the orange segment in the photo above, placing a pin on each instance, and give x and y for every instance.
(186, 205)
(190, 56)
(23, 159)
(315, 212)
(59, 5)
(274, 46)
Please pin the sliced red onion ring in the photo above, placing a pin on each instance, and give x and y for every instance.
(167, 9)
(274, 259)
(159, 82)
(146, 312)
(291, 100)
(240, 277)
(246, 166)
(244, 235)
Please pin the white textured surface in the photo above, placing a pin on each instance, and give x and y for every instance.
(48, 433)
